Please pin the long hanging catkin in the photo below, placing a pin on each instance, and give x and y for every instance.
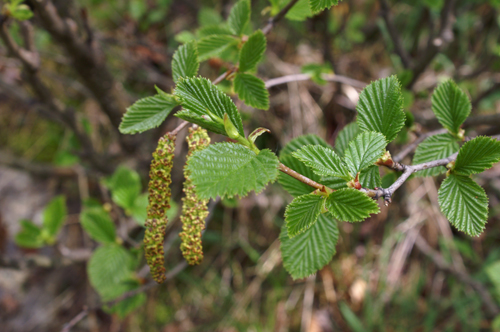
(194, 210)
(159, 203)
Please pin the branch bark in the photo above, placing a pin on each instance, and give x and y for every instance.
(393, 32)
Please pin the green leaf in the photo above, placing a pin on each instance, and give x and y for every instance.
(200, 96)
(30, 235)
(125, 186)
(308, 252)
(323, 161)
(212, 46)
(147, 113)
(345, 136)
(370, 177)
(351, 205)
(300, 11)
(451, 105)
(125, 307)
(319, 5)
(252, 51)
(252, 90)
(292, 185)
(208, 124)
(209, 16)
(54, 215)
(185, 61)
(380, 108)
(477, 155)
(333, 182)
(464, 203)
(433, 148)
(302, 213)
(301, 141)
(364, 151)
(209, 30)
(239, 17)
(228, 169)
(98, 224)
(22, 13)
(108, 269)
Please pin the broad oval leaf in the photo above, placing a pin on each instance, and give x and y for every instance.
(30, 235)
(228, 169)
(464, 203)
(351, 205)
(433, 148)
(252, 51)
(239, 17)
(125, 186)
(364, 151)
(333, 182)
(301, 141)
(200, 96)
(98, 224)
(370, 177)
(380, 108)
(302, 213)
(308, 252)
(477, 155)
(252, 90)
(319, 5)
(214, 45)
(323, 161)
(54, 215)
(345, 136)
(300, 11)
(451, 105)
(147, 113)
(185, 61)
(204, 122)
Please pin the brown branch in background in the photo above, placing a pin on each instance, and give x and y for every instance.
(412, 146)
(88, 62)
(43, 170)
(305, 77)
(393, 32)
(273, 20)
(435, 44)
(443, 265)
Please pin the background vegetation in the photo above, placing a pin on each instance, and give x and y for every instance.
(68, 73)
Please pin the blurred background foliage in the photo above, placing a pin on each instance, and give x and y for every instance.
(402, 270)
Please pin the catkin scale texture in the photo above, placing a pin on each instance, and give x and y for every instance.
(159, 203)
(194, 210)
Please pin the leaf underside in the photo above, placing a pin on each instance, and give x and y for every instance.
(319, 5)
(302, 213)
(351, 205)
(214, 45)
(292, 185)
(301, 141)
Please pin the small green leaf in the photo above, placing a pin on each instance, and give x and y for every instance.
(477, 155)
(214, 45)
(200, 96)
(308, 252)
(228, 169)
(451, 106)
(252, 51)
(301, 141)
(464, 203)
(252, 90)
(300, 11)
(346, 135)
(109, 269)
(30, 235)
(239, 17)
(433, 148)
(125, 186)
(139, 209)
(185, 61)
(128, 305)
(292, 185)
(380, 108)
(323, 161)
(370, 177)
(147, 113)
(209, 16)
(202, 121)
(210, 30)
(319, 5)
(333, 182)
(302, 213)
(98, 224)
(364, 151)
(351, 205)
(54, 215)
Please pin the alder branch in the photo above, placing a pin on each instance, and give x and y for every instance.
(301, 177)
(273, 20)
(412, 146)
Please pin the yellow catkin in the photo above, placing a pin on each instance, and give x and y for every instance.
(194, 210)
(159, 203)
